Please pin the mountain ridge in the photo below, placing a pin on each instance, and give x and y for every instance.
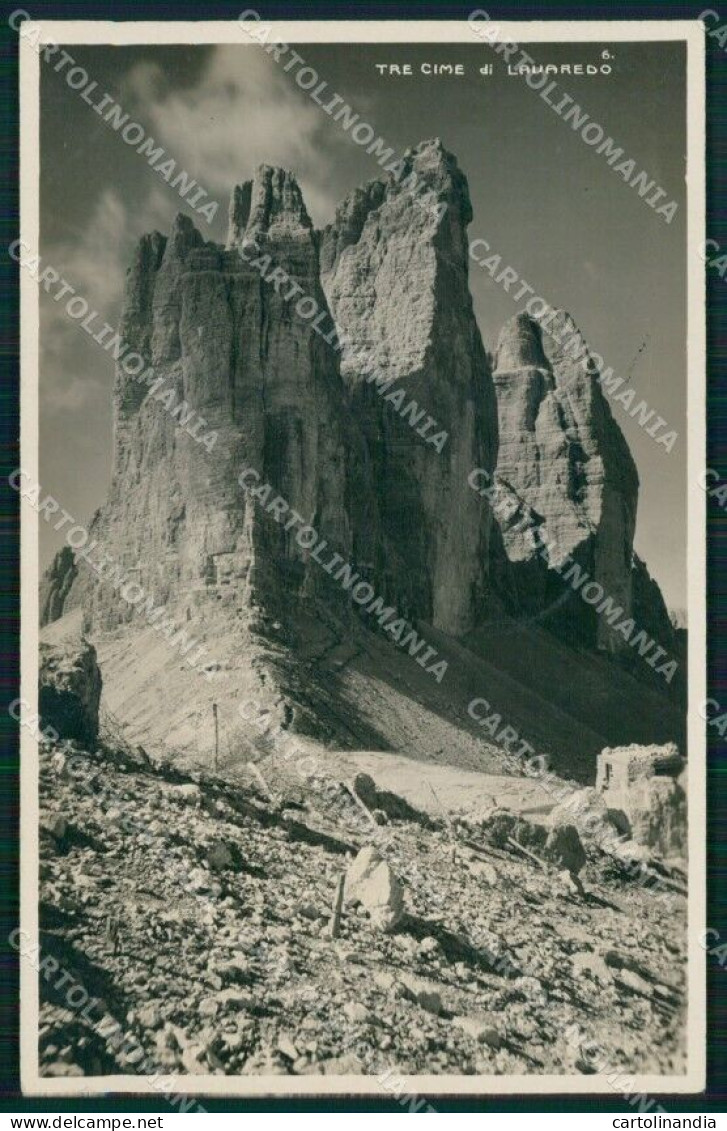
(305, 412)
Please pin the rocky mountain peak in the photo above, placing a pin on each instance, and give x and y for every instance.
(269, 206)
(349, 220)
(520, 345)
(395, 277)
(439, 173)
(238, 213)
(563, 461)
(367, 420)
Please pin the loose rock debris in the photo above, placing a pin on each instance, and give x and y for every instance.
(198, 915)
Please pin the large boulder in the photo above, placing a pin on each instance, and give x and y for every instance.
(564, 848)
(364, 787)
(372, 883)
(657, 811)
(69, 689)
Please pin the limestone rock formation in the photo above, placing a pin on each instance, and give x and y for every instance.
(56, 584)
(371, 882)
(239, 382)
(395, 274)
(69, 689)
(646, 787)
(657, 812)
(345, 368)
(564, 471)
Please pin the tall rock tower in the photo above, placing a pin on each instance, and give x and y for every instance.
(564, 470)
(395, 271)
(225, 348)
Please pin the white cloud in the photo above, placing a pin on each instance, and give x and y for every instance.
(92, 262)
(243, 111)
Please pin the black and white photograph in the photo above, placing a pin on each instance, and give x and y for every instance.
(362, 493)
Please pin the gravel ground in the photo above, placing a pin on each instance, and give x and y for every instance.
(197, 913)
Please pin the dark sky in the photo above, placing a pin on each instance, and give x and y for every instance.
(541, 197)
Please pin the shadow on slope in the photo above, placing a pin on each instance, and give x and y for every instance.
(339, 686)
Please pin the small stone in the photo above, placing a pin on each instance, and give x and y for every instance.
(423, 993)
(481, 1028)
(310, 911)
(428, 947)
(193, 1059)
(233, 997)
(347, 1065)
(483, 870)
(429, 1000)
(168, 1038)
(188, 793)
(59, 763)
(63, 1070)
(233, 1041)
(233, 971)
(665, 993)
(384, 979)
(356, 1012)
(531, 988)
(199, 880)
(286, 1047)
(56, 825)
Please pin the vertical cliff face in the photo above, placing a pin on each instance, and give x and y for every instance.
(345, 368)
(56, 584)
(239, 381)
(395, 275)
(564, 469)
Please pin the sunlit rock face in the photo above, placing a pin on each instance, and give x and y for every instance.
(395, 272)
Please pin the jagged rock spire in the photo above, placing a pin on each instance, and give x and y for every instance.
(271, 204)
(563, 457)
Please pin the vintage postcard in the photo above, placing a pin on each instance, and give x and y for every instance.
(362, 480)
